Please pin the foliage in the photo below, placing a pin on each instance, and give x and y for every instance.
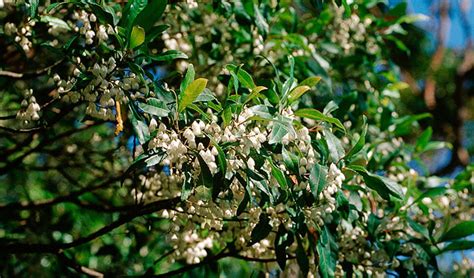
(156, 138)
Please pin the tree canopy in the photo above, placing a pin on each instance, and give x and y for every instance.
(226, 138)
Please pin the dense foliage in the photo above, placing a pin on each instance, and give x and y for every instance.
(156, 138)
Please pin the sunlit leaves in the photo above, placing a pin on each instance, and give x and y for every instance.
(191, 92)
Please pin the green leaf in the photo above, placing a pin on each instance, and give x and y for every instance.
(383, 186)
(154, 32)
(326, 248)
(302, 258)
(150, 14)
(461, 230)
(137, 37)
(244, 77)
(130, 13)
(188, 78)
(459, 245)
(419, 228)
(55, 22)
(279, 130)
(278, 175)
(191, 93)
(430, 193)
(187, 187)
(281, 241)
(261, 230)
(168, 56)
(243, 204)
(424, 139)
(336, 151)
(404, 124)
(297, 92)
(33, 8)
(255, 93)
(311, 81)
(324, 260)
(317, 179)
(205, 176)
(314, 114)
(157, 111)
(360, 143)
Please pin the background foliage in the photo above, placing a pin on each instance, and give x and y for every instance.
(223, 138)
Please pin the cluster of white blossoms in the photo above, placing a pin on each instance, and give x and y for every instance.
(354, 246)
(30, 109)
(351, 32)
(22, 34)
(84, 26)
(320, 212)
(184, 150)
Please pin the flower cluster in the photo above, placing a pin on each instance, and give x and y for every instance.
(29, 108)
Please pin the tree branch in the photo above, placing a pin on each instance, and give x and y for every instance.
(21, 248)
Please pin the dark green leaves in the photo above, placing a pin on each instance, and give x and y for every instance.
(314, 114)
(188, 78)
(461, 230)
(168, 56)
(261, 230)
(383, 186)
(325, 249)
(244, 77)
(279, 176)
(150, 14)
(360, 143)
(282, 241)
(317, 179)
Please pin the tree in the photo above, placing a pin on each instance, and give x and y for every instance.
(161, 139)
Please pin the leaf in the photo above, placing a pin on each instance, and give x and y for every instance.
(280, 246)
(261, 230)
(324, 260)
(311, 81)
(244, 77)
(55, 22)
(154, 32)
(459, 245)
(336, 151)
(262, 25)
(150, 14)
(419, 228)
(168, 56)
(243, 203)
(156, 111)
(360, 143)
(33, 8)
(461, 230)
(317, 179)
(430, 193)
(137, 37)
(187, 187)
(279, 130)
(130, 13)
(279, 176)
(205, 176)
(424, 139)
(255, 93)
(314, 114)
(297, 92)
(383, 186)
(188, 78)
(191, 93)
(302, 258)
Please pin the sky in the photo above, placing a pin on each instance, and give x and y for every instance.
(455, 38)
